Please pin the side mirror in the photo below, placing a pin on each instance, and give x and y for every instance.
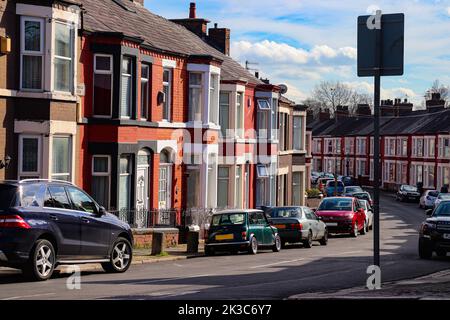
(429, 212)
(101, 211)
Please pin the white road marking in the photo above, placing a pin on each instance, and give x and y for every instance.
(29, 296)
(276, 263)
(166, 280)
(343, 253)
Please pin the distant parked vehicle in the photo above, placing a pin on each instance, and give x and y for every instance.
(441, 197)
(434, 233)
(350, 190)
(368, 210)
(314, 177)
(407, 193)
(298, 224)
(241, 230)
(428, 199)
(332, 186)
(46, 223)
(343, 215)
(349, 181)
(364, 196)
(322, 182)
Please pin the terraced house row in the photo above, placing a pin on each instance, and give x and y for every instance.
(142, 112)
(415, 145)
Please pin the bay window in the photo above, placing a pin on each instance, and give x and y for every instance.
(349, 146)
(429, 147)
(274, 120)
(62, 158)
(195, 96)
(240, 115)
(263, 118)
(223, 182)
(103, 85)
(167, 89)
(101, 172)
(127, 87)
(297, 192)
(224, 112)
(428, 176)
(444, 147)
(298, 133)
(238, 188)
(125, 183)
(29, 156)
(63, 61)
(213, 97)
(145, 91)
(32, 53)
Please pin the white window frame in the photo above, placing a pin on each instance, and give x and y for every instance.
(39, 156)
(300, 138)
(107, 72)
(71, 59)
(263, 104)
(239, 127)
(195, 86)
(262, 175)
(24, 52)
(168, 98)
(147, 88)
(131, 77)
(65, 174)
(214, 93)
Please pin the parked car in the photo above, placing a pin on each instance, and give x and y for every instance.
(364, 196)
(407, 193)
(343, 215)
(314, 177)
(434, 233)
(322, 182)
(241, 230)
(368, 210)
(298, 224)
(44, 224)
(428, 199)
(350, 190)
(349, 181)
(441, 197)
(333, 185)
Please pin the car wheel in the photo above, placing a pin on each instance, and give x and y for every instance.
(209, 251)
(441, 253)
(425, 250)
(324, 240)
(355, 231)
(120, 258)
(253, 247)
(308, 242)
(277, 244)
(41, 262)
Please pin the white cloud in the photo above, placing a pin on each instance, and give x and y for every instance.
(448, 11)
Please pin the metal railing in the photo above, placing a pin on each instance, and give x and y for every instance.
(143, 219)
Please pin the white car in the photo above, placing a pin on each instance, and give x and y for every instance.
(369, 214)
(428, 199)
(441, 197)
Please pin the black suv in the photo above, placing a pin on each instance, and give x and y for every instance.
(435, 232)
(407, 193)
(48, 223)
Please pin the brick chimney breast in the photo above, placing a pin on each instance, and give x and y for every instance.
(220, 39)
(196, 25)
(192, 11)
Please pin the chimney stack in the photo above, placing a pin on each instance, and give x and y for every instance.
(363, 110)
(342, 112)
(219, 38)
(436, 103)
(324, 115)
(192, 11)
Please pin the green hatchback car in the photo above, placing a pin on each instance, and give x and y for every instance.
(241, 230)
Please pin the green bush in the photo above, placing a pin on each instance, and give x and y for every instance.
(313, 193)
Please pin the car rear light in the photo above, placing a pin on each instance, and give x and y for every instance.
(13, 221)
(297, 226)
(244, 235)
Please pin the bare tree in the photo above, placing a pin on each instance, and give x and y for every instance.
(357, 99)
(332, 94)
(437, 87)
(313, 105)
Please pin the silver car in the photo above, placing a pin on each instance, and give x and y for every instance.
(441, 197)
(369, 214)
(298, 225)
(428, 199)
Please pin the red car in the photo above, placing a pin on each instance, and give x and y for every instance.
(343, 215)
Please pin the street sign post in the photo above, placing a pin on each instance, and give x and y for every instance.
(380, 53)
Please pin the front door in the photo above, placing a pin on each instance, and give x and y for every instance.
(142, 196)
(165, 186)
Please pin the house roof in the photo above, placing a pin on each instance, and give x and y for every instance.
(133, 20)
(418, 122)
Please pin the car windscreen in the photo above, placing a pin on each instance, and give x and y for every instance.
(443, 210)
(409, 189)
(285, 213)
(362, 196)
(336, 205)
(228, 219)
(444, 196)
(352, 189)
(7, 196)
(433, 193)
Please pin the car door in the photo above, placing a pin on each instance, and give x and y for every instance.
(95, 228)
(255, 227)
(268, 233)
(312, 221)
(361, 216)
(64, 221)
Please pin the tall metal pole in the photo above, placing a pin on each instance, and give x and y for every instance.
(376, 151)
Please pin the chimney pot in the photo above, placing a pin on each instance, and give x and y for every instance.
(192, 11)
(215, 25)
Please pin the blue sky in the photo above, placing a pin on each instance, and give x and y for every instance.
(302, 42)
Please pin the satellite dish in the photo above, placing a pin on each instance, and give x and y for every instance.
(284, 88)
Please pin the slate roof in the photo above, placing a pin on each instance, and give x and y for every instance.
(133, 20)
(418, 122)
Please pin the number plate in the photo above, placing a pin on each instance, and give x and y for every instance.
(332, 224)
(224, 237)
(447, 236)
(280, 226)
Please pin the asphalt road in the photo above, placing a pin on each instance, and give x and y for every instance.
(342, 264)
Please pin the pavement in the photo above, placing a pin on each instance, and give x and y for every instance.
(338, 269)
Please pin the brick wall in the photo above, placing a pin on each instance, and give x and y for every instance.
(143, 238)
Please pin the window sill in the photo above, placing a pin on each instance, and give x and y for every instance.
(46, 95)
